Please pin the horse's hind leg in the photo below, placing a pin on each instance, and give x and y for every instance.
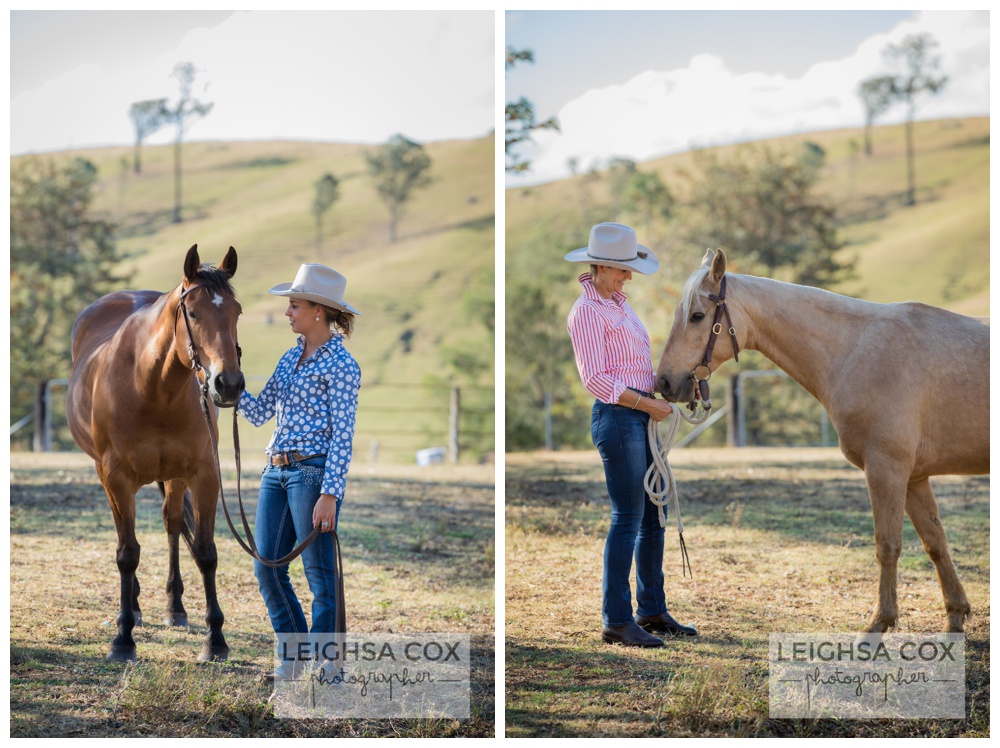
(173, 520)
(923, 512)
(205, 555)
(887, 490)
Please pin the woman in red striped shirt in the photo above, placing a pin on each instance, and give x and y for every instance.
(612, 354)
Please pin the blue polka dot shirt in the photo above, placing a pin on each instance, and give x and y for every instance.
(315, 404)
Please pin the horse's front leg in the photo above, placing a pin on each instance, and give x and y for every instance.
(887, 491)
(923, 512)
(205, 497)
(121, 497)
(175, 497)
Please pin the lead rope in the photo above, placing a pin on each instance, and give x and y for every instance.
(659, 482)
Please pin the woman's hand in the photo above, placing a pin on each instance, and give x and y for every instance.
(325, 512)
(657, 409)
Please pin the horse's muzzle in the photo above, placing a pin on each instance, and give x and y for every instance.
(676, 388)
(226, 389)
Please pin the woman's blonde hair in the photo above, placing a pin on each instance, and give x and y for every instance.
(593, 273)
(341, 320)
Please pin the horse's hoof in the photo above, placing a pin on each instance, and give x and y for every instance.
(121, 654)
(176, 619)
(214, 654)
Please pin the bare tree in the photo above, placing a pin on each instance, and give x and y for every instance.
(186, 110)
(876, 96)
(147, 117)
(916, 53)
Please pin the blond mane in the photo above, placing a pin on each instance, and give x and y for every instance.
(691, 287)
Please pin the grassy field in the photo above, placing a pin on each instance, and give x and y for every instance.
(780, 542)
(418, 548)
(418, 296)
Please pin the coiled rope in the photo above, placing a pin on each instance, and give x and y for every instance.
(659, 482)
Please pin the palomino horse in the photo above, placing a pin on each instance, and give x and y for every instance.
(133, 406)
(884, 373)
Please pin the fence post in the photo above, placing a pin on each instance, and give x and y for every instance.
(453, 425)
(734, 427)
(40, 438)
(548, 421)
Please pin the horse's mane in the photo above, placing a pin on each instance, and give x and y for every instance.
(691, 288)
(215, 280)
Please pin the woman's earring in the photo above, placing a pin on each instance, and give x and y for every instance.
(317, 319)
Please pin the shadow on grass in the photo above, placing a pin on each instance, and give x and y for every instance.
(832, 509)
(711, 687)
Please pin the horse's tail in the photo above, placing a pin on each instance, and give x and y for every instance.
(187, 527)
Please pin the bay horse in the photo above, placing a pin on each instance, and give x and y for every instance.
(133, 405)
(882, 371)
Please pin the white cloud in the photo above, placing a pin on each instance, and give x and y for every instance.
(346, 76)
(705, 103)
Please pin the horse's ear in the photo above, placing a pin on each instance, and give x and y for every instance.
(228, 265)
(718, 266)
(709, 256)
(191, 264)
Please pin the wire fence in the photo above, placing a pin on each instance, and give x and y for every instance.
(397, 423)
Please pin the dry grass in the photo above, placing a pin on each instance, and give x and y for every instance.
(418, 556)
(780, 541)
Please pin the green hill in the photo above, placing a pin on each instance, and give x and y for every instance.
(936, 251)
(415, 294)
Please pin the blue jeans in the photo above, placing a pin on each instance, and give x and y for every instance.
(284, 519)
(619, 434)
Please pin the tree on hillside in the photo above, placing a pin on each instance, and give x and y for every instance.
(646, 197)
(398, 168)
(620, 171)
(916, 53)
(519, 117)
(762, 206)
(147, 117)
(586, 179)
(876, 96)
(540, 372)
(327, 193)
(62, 257)
(184, 111)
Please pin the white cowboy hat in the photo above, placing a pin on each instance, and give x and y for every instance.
(319, 284)
(614, 244)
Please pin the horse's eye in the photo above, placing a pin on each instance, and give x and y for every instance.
(192, 315)
(697, 316)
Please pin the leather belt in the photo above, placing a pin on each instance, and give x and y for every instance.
(281, 459)
(642, 392)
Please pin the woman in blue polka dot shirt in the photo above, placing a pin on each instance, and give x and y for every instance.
(313, 397)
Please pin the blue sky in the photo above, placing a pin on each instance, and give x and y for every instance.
(355, 76)
(645, 83)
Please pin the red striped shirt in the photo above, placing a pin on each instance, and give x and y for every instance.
(610, 344)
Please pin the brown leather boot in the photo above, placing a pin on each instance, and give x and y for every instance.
(629, 635)
(664, 623)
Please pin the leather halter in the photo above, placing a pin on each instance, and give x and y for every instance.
(192, 351)
(720, 309)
